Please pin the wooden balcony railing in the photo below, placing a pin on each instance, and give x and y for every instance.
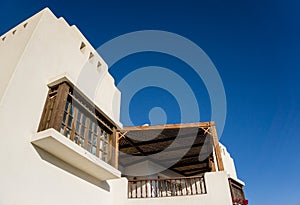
(152, 188)
(71, 113)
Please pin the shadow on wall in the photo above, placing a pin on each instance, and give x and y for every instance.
(69, 168)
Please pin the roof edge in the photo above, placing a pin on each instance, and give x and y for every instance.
(169, 126)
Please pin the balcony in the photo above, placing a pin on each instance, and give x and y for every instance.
(179, 186)
(74, 130)
(210, 188)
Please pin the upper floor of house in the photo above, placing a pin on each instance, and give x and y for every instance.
(60, 108)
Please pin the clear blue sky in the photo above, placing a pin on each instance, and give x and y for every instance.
(254, 45)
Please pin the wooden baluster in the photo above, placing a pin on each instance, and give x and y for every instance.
(176, 188)
(146, 188)
(195, 181)
(141, 187)
(161, 185)
(187, 193)
(136, 191)
(172, 188)
(191, 186)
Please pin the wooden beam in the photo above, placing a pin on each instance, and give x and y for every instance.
(195, 169)
(217, 149)
(186, 157)
(136, 147)
(169, 126)
(198, 172)
(179, 165)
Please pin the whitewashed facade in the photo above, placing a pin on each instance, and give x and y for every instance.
(45, 167)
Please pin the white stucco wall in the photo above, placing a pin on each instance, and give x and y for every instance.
(48, 49)
(12, 46)
(30, 60)
(228, 162)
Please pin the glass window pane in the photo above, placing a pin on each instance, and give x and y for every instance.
(82, 131)
(83, 120)
(94, 150)
(67, 106)
(76, 138)
(79, 116)
(91, 125)
(95, 140)
(68, 133)
(81, 142)
(71, 110)
(70, 121)
(77, 127)
(90, 136)
(65, 117)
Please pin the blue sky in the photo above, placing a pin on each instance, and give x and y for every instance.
(255, 47)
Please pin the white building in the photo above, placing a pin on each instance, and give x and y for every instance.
(60, 137)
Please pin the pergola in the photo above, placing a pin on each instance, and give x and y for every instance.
(187, 149)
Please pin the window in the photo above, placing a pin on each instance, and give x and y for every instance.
(80, 121)
(82, 47)
(98, 65)
(91, 55)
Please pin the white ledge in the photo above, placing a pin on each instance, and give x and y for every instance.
(58, 145)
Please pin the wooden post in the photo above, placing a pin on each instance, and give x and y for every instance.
(59, 106)
(217, 148)
(115, 148)
(46, 112)
(211, 164)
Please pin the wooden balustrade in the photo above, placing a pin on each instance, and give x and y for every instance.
(165, 187)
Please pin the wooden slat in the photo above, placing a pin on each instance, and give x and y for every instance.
(59, 106)
(46, 112)
(145, 153)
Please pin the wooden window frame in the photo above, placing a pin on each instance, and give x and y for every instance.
(64, 105)
(235, 186)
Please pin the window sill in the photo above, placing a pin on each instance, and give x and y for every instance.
(61, 147)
